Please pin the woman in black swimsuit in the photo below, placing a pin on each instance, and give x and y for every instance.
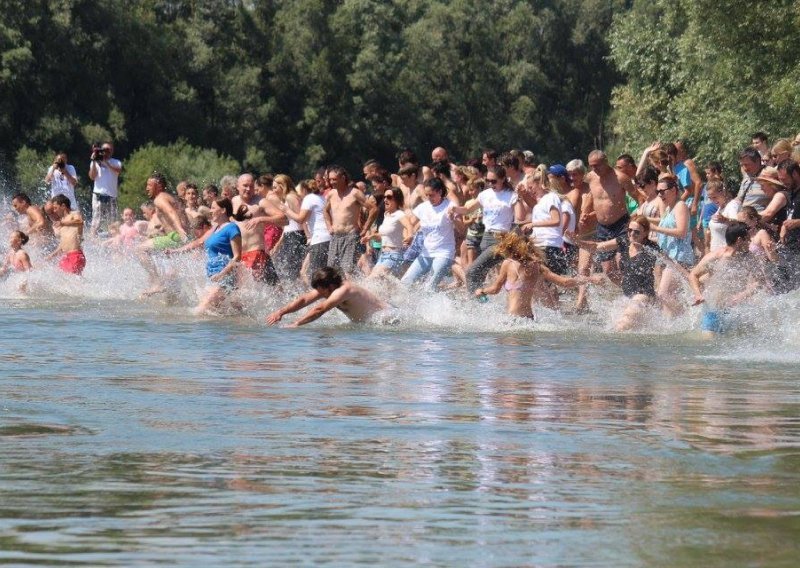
(638, 255)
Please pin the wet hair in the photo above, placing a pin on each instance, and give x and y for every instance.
(760, 136)
(61, 199)
(789, 166)
(408, 170)
(628, 159)
(226, 204)
(576, 165)
(327, 277)
(339, 170)
(211, 188)
(715, 167)
(441, 168)
(642, 221)
(751, 154)
(508, 160)
(397, 196)
(407, 156)
(436, 185)
(649, 175)
(22, 237)
(735, 231)
(159, 179)
(381, 175)
(21, 197)
(519, 248)
(782, 145)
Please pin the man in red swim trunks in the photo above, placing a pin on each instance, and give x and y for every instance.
(251, 213)
(68, 226)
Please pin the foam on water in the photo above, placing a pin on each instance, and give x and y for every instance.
(766, 328)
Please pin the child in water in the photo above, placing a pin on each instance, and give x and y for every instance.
(524, 276)
(17, 260)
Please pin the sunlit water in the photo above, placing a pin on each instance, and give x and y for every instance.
(133, 433)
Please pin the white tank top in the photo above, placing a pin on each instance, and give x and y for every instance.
(391, 230)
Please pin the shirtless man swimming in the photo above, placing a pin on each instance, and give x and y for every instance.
(605, 202)
(252, 213)
(343, 217)
(355, 302)
(69, 228)
(175, 227)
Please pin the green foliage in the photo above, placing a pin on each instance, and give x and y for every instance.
(177, 162)
(32, 167)
(710, 72)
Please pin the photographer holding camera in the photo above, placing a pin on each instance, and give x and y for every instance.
(62, 178)
(104, 170)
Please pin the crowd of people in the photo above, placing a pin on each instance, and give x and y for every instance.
(653, 228)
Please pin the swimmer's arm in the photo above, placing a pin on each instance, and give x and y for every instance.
(297, 304)
(587, 209)
(697, 182)
(605, 246)
(72, 220)
(25, 260)
(372, 214)
(197, 243)
(497, 285)
(769, 247)
(37, 220)
(327, 215)
(166, 207)
(569, 282)
(408, 229)
(681, 223)
(554, 221)
(777, 203)
(468, 208)
(299, 216)
(694, 278)
(646, 157)
(320, 309)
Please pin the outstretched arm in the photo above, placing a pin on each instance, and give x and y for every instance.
(297, 304)
(497, 285)
(325, 306)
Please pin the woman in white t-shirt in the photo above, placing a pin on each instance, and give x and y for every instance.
(439, 242)
(546, 221)
(497, 205)
(311, 214)
(62, 178)
(727, 213)
(394, 233)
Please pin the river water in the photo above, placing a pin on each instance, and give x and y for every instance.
(133, 433)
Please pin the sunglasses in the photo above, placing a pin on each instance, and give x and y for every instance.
(665, 190)
(634, 232)
(388, 196)
(495, 180)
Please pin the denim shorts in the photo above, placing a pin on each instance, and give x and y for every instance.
(393, 260)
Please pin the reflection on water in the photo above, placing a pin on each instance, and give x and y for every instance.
(171, 440)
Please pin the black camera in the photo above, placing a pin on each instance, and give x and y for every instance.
(98, 154)
(61, 164)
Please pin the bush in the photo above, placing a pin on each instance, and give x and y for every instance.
(177, 162)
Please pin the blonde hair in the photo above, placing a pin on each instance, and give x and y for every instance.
(286, 182)
(519, 248)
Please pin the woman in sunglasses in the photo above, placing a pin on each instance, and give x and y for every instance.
(675, 239)
(394, 233)
(638, 255)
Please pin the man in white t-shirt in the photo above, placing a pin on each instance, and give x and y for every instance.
(62, 178)
(104, 171)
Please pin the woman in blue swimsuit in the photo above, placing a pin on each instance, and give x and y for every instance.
(223, 244)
